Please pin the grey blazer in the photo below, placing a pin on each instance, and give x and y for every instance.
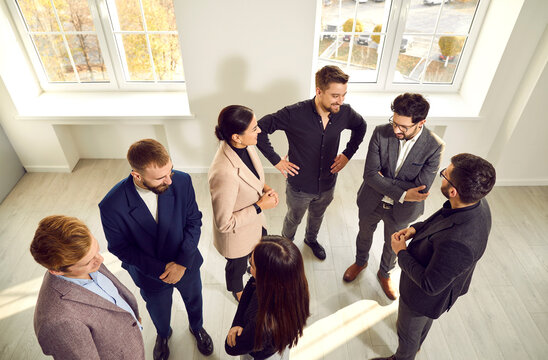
(71, 322)
(419, 168)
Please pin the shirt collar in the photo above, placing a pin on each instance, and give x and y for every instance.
(446, 210)
(81, 282)
(414, 139)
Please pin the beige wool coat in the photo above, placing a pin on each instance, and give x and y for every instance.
(237, 227)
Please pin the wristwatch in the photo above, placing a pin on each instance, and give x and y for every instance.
(257, 208)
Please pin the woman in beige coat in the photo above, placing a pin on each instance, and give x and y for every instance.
(238, 192)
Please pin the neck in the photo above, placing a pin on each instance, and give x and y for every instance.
(237, 145)
(139, 184)
(457, 204)
(319, 107)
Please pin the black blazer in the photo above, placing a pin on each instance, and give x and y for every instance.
(438, 264)
(419, 168)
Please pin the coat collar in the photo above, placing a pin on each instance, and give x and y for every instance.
(243, 171)
(77, 293)
(138, 210)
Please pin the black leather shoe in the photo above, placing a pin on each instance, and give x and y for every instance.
(317, 249)
(203, 341)
(161, 350)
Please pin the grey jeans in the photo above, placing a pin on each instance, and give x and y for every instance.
(368, 224)
(412, 330)
(297, 204)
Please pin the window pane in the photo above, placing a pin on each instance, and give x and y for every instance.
(167, 57)
(372, 14)
(365, 58)
(159, 15)
(421, 17)
(444, 59)
(126, 15)
(39, 16)
(87, 57)
(137, 57)
(74, 15)
(456, 17)
(333, 48)
(54, 57)
(412, 58)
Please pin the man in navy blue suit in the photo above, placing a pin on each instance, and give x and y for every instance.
(152, 224)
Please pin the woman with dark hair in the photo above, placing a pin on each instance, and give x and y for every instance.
(238, 192)
(275, 303)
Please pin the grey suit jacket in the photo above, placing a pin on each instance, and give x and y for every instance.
(419, 168)
(72, 322)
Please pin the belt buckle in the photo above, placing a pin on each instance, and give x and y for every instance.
(386, 206)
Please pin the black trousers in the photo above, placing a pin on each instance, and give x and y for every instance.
(412, 330)
(235, 270)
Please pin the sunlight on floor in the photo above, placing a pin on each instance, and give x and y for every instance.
(334, 330)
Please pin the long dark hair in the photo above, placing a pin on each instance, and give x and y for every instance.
(282, 292)
(233, 119)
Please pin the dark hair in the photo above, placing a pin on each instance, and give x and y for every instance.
(282, 292)
(412, 105)
(330, 74)
(146, 152)
(472, 176)
(60, 242)
(233, 119)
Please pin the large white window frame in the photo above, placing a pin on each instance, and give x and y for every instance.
(109, 51)
(392, 37)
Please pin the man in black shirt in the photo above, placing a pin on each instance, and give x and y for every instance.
(437, 266)
(313, 129)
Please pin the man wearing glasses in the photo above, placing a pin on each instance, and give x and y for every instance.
(402, 161)
(437, 266)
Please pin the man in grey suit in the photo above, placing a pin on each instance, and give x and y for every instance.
(402, 161)
(438, 264)
(83, 311)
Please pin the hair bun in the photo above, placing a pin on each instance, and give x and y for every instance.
(218, 133)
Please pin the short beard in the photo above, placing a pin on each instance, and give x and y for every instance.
(445, 191)
(158, 190)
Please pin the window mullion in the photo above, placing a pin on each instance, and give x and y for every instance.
(396, 24)
(148, 42)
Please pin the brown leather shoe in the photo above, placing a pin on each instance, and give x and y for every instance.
(386, 285)
(393, 357)
(353, 271)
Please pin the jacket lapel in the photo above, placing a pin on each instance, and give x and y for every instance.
(77, 293)
(166, 203)
(243, 171)
(416, 153)
(138, 210)
(393, 148)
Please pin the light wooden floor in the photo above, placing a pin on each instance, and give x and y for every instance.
(505, 315)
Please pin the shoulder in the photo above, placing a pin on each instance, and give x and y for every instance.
(432, 137)
(181, 179)
(384, 130)
(116, 193)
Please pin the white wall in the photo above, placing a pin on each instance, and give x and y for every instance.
(261, 54)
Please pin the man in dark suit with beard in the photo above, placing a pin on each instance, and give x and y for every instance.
(438, 264)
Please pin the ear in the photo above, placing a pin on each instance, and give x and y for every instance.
(53, 272)
(318, 91)
(236, 138)
(421, 123)
(136, 175)
(453, 192)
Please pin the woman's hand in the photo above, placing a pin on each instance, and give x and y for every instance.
(269, 200)
(232, 333)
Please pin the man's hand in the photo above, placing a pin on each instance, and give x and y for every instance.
(287, 167)
(232, 333)
(413, 194)
(404, 234)
(340, 162)
(173, 273)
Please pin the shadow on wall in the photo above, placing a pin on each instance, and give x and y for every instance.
(197, 143)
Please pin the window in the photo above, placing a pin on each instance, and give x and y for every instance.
(400, 44)
(101, 44)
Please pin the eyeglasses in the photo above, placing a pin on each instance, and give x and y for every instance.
(445, 177)
(401, 127)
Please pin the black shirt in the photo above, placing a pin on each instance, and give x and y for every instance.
(246, 317)
(311, 147)
(244, 155)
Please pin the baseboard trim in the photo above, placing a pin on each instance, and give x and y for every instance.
(522, 182)
(53, 169)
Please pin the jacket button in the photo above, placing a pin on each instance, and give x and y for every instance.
(134, 323)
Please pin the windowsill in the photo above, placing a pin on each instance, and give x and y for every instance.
(101, 107)
(444, 107)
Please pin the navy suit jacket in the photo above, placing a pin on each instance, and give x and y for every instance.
(438, 264)
(144, 246)
(419, 168)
